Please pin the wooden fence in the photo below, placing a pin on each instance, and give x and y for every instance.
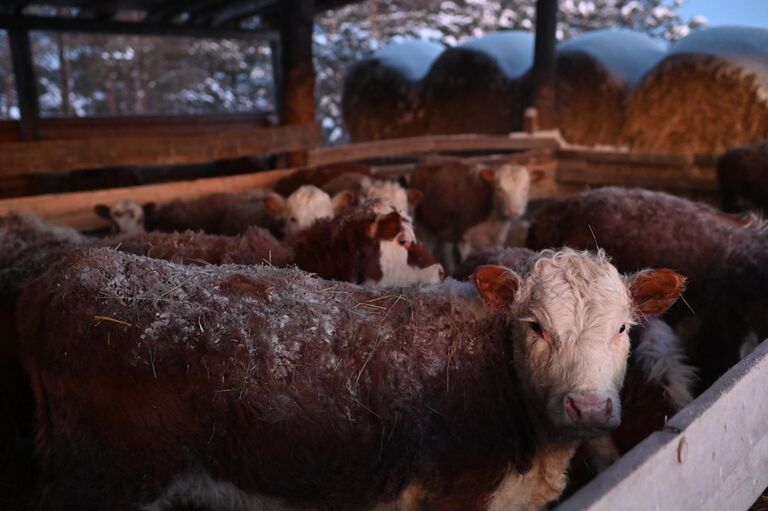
(711, 456)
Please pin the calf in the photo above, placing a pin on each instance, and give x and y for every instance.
(226, 213)
(371, 243)
(659, 381)
(252, 387)
(457, 196)
(743, 177)
(723, 256)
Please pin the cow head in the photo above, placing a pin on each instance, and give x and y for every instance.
(401, 260)
(125, 216)
(400, 197)
(511, 186)
(571, 316)
(300, 210)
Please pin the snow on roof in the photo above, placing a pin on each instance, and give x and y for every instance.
(745, 46)
(412, 59)
(512, 50)
(625, 54)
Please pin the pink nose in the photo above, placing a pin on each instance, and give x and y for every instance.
(589, 410)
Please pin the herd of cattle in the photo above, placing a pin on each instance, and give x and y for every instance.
(302, 349)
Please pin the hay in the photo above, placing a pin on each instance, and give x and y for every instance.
(709, 94)
(595, 73)
(480, 86)
(382, 94)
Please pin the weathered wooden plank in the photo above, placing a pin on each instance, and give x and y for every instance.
(653, 175)
(76, 209)
(433, 143)
(626, 156)
(712, 455)
(64, 155)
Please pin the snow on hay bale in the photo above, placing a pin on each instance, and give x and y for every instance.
(382, 94)
(477, 87)
(708, 94)
(595, 73)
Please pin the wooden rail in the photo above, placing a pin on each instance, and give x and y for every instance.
(431, 144)
(64, 128)
(667, 172)
(76, 209)
(712, 455)
(55, 156)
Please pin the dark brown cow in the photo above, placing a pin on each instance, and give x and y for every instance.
(242, 387)
(743, 176)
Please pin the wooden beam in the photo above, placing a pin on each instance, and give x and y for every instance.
(430, 144)
(61, 128)
(91, 26)
(238, 10)
(654, 171)
(26, 83)
(76, 209)
(712, 455)
(296, 22)
(17, 158)
(544, 62)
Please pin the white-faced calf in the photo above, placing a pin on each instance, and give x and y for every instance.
(248, 383)
(458, 196)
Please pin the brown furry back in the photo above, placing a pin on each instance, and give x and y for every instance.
(318, 176)
(262, 377)
(219, 213)
(255, 246)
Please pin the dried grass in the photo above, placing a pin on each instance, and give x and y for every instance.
(590, 102)
(697, 104)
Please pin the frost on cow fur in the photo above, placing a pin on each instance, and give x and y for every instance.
(26, 245)
(661, 358)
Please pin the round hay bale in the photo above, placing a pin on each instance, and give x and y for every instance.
(478, 87)
(595, 73)
(382, 94)
(710, 93)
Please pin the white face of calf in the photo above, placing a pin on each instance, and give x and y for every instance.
(570, 337)
(511, 187)
(404, 200)
(394, 230)
(301, 209)
(126, 216)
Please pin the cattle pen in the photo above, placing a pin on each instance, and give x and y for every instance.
(711, 454)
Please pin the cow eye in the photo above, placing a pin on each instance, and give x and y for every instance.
(293, 219)
(536, 328)
(402, 240)
(622, 329)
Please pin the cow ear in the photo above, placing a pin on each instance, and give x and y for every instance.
(497, 285)
(654, 291)
(149, 208)
(537, 175)
(415, 197)
(102, 211)
(343, 200)
(275, 205)
(487, 175)
(388, 226)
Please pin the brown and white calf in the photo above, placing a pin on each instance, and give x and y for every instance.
(724, 257)
(659, 379)
(226, 213)
(458, 196)
(370, 243)
(257, 388)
